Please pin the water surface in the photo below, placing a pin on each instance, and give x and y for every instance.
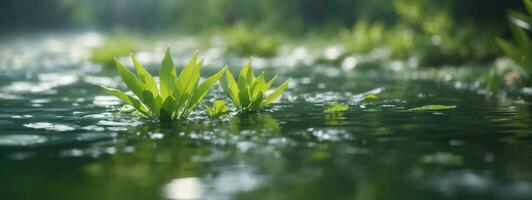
(64, 138)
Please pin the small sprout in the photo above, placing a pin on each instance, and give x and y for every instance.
(177, 95)
(249, 92)
(336, 107)
(219, 108)
(431, 108)
(370, 98)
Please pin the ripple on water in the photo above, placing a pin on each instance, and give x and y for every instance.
(21, 140)
(50, 126)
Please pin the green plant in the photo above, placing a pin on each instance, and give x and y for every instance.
(520, 49)
(248, 93)
(177, 96)
(218, 109)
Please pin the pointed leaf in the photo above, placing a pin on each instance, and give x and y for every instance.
(145, 77)
(275, 94)
(126, 98)
(167, 75)
(152, 102)
(130, 79)
(243, 95)
(230, 87)
(202, 90)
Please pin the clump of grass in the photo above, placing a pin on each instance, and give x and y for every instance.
(219, 108)
(177, 96)
(249, 92)
(106, 53)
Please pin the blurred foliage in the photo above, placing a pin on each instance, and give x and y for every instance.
(364, 37)
(111, 49)
(246, 41)
(518, 49)
(437, 32)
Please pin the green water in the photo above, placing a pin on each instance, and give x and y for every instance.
(61, 137)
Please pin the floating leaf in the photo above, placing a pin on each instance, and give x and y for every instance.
(371, 97)
(336, 107)
(432, 108)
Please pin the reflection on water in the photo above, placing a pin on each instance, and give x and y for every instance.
(64, 138)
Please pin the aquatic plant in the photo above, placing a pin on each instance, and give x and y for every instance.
(336, 107)
(177, 96)
(249, 92)
(218, 109)
(520, 49)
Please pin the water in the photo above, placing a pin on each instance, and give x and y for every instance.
(63, 138)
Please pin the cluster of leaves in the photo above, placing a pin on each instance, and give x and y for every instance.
(520, 49)
(248, 93)
(178, 95)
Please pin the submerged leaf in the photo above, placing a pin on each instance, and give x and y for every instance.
(432, 108)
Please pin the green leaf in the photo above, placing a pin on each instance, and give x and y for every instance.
(131, 80)
(269, 84)
(126, 99)
(258, 86)
(275, 94)
(336, 107)
(250, 75)
(189, 76)
(167, 75)
(509, 49)
(528, 5)
(202, 90)
(256, 104)
(432, 108)
(168, 108)
(152, 102)
(145, 77)
(231, 87)
(521, 37)
(209, 110)
(243, 95)
(220, 106)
